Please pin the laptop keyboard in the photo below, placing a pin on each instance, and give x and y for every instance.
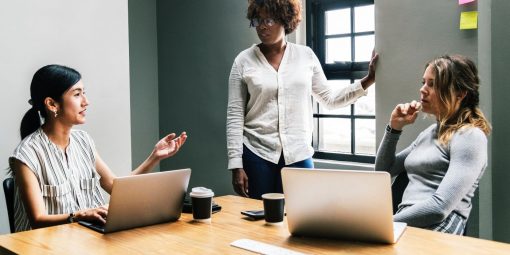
(96, 227)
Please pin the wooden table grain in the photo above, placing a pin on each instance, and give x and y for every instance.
(188, 237)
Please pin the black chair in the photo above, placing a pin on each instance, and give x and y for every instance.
(9, 200)
(397, 189)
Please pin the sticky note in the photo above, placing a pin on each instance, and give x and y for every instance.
(469, 20)
(465, 1)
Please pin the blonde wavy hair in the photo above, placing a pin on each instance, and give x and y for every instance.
(456, 84)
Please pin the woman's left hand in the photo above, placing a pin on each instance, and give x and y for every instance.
(369, 79)
(169, 146)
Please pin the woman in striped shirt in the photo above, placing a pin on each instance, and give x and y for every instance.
(57, 170)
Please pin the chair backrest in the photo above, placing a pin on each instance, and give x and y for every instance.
(9, 200)
(397, 189)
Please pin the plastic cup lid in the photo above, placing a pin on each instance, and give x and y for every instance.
(201, 192)
(273, 196)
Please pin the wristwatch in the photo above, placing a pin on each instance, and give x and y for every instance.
(393, 131)
(70, 219)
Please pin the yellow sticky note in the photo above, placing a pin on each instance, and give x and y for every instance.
(469, 20)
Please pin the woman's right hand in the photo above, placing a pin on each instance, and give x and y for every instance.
(92, 215)
(240, 182)
(404, 114)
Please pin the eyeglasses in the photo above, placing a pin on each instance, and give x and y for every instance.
(258, 21)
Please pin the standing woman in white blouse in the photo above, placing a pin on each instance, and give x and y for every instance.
(57, 171)
(269, 115)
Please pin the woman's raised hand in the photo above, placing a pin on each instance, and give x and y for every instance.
(404, 114)
(169, 145)
(369, 79)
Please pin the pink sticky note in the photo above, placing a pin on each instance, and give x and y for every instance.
(465, 1)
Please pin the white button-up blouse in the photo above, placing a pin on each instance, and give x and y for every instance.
(270, 111)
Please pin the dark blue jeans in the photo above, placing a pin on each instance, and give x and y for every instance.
(264, 176)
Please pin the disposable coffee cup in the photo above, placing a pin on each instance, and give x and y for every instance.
(273, 208)
(201, 204)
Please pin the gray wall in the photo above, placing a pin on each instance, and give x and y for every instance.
(500, 63)
(143, 56)
(197, 44)
(91, 36)
(485, 70)
(407, 36)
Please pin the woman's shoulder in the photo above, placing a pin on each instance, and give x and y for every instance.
(28, 149)
(470, 133)
(248, 53)
(30, 141)
(299, 47)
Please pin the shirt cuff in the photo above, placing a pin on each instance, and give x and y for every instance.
(234, 163)
(358, 87)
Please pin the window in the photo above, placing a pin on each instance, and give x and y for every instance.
(341, 33)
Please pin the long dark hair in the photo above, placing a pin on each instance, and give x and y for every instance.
(49, 81)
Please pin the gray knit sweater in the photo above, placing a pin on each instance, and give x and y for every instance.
(441, 179)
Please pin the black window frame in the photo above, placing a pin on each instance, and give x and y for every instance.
(316, 39)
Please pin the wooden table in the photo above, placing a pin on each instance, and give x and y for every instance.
(188, 237)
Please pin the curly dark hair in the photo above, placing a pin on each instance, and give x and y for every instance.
(285, 12)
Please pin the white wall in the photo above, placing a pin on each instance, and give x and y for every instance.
(90, 36)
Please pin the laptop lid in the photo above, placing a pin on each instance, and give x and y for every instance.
(343, 204)
(146, 199)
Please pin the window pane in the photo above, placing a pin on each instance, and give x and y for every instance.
(366, 105)
(365, 136)
(364, 18)
(338, 21)
(343, 110)
(364, 46)
(338, 49)
(335, 135)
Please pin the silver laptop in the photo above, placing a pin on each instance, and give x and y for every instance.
(343, 204)
(145, 199)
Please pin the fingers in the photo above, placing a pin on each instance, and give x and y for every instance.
(183, 137)
(373, 59)
(408, 108)
(102, 212)
(169, 137)
(96, 214)
(240, 182)
(416, 106)
(245, 188)
(404, 114)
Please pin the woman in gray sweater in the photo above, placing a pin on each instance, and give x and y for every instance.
(446, 161)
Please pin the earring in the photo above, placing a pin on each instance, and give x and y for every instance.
(56, 114)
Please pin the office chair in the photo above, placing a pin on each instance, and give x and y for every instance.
(9, 200)
(397, 189)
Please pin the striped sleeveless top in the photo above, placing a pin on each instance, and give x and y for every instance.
(67, 184)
